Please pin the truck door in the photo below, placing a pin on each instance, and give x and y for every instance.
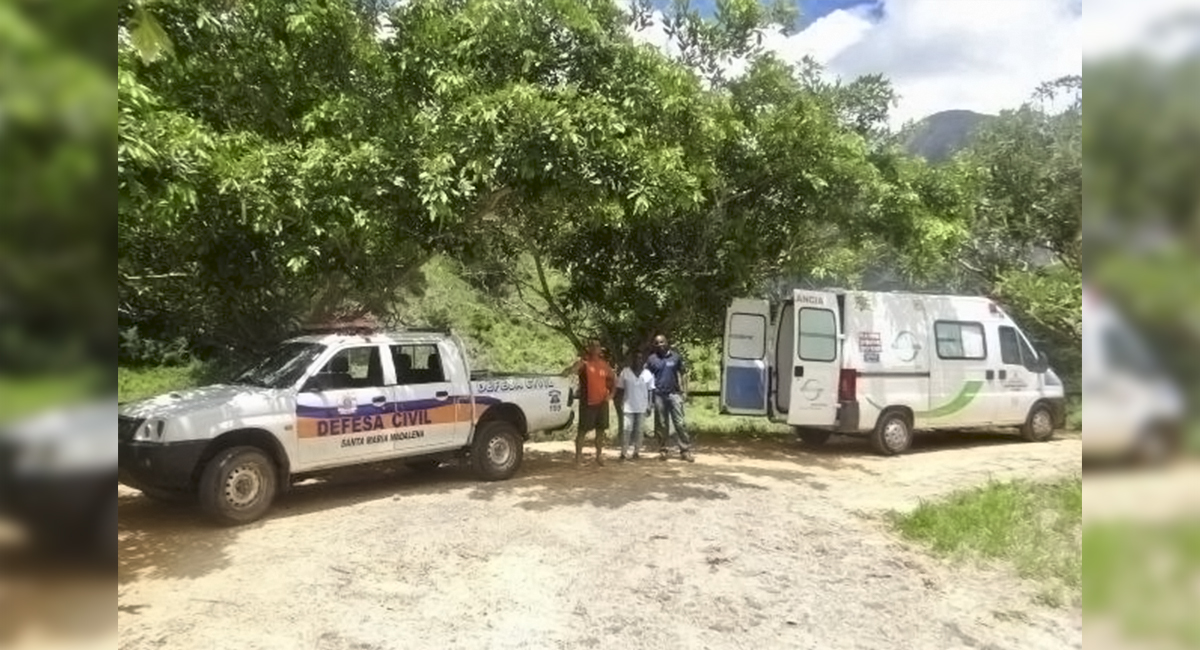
(817, 362)
(428, 413)
(744, 365)
(344, 411)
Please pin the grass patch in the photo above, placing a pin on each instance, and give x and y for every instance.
(139, 383)
(25, 396)
(1032, 526)
(1145, 577)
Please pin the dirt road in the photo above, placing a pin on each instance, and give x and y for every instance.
(759, 545)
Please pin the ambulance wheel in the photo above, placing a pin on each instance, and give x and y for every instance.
(812, 437)
(497, 451)
(892, 434)
(238, 485)
(1039, 424)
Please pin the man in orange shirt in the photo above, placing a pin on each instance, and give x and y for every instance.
(597, 382)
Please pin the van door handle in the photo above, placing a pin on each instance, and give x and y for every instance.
(378, 399)
(990, 375)
(1003, 375)
(798, 371)
(442, 394)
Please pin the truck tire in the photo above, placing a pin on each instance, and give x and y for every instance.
(238, 485)
(892, 434)
(812, 437)
(497, 451)
(1039, 424)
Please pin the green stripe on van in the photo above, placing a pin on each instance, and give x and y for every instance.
(965, 396)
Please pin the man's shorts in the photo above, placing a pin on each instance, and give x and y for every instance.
(593, 417)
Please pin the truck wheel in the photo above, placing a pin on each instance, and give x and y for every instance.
(238, 485)
(812, 437)
(497, 450)
(892, 434)
(1039, 424)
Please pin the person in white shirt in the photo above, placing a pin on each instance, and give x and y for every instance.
(634, 386)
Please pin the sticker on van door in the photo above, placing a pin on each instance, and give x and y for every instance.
(870, 345)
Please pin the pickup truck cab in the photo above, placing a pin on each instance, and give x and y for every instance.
(328, 401)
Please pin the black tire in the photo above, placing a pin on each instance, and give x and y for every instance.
(174, 497)
(1039, 424)
(813, 437)
(238, 485)
(497, 451)
(424, 466)
(892, 434)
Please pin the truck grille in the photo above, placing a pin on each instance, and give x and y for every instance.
(126, 427)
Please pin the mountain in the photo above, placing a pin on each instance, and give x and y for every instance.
(941, 135)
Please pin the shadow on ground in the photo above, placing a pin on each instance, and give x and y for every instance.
(70, 598)
(158, 540)
(849, 451)
(550, 480)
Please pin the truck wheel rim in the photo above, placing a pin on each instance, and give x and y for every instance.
(1041, 423)
(499, 451)
(243, 486)
(895, 434)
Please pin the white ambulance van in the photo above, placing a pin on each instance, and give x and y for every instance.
(882, 365)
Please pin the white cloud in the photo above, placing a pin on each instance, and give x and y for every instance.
(982, 55)
(1112, 28)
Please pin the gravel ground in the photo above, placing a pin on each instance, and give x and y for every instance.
(758, 545)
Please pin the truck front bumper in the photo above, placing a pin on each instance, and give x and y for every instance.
(169, 466)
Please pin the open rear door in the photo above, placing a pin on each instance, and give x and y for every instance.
(817, 362)
(744, 365)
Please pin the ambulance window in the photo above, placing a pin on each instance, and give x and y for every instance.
(816, 335)
(747, 336)
(960, 340)
(418, 364)
(1010, 346)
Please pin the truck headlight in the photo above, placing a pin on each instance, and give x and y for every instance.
(150, 431)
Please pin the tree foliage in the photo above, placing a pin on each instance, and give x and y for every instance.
(287, 161)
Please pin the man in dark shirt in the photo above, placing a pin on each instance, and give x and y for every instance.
(670, 392)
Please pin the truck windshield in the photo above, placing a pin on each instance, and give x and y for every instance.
(283, 367)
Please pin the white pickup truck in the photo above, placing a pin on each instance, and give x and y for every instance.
(327, 401)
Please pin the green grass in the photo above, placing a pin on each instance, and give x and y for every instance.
(24, 396)
(139, 383)
(1145, 577)
(1034, 527)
